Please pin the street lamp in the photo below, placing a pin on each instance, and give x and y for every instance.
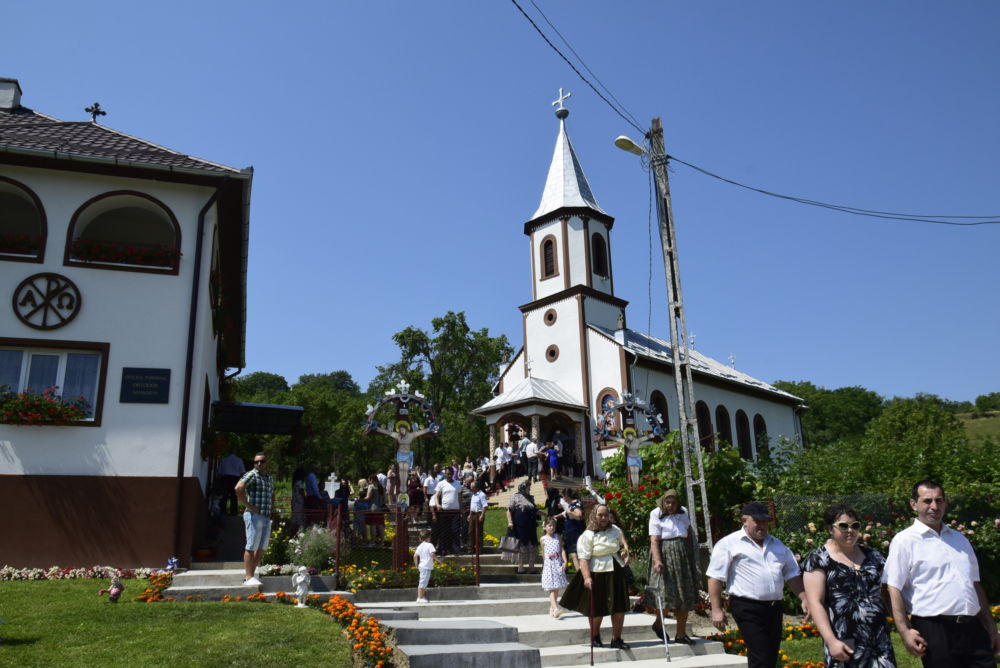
(679, 349)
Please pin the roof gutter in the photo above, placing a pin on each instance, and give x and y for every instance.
(189, 371)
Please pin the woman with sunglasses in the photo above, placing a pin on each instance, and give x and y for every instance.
(843, 583)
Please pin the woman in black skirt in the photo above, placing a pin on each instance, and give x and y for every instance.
(672, 567)
(598, 589)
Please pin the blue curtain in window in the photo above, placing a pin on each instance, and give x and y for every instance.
(42, 374)
(10, 369)
(81, 379)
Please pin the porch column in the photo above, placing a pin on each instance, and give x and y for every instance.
(536, 428)
(493, 446)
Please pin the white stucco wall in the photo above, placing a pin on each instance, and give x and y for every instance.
(144, 318)
(577, 251)
(601, 313)
(564, 333)
(547, 286)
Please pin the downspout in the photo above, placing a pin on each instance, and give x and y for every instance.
(189, 368)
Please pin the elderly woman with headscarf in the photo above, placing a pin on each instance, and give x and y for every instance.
(599, 588)
(672, 567)
(522, 517)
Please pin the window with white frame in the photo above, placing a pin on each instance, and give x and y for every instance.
(75, 375)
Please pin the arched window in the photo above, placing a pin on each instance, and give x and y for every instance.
(760, 434)
(704, 417)
(124, 230)
(599, 252)
(722, 424)
(743, 435)
(550, 267)
(22, 223)
(659, 405)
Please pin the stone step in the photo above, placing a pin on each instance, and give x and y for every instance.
(483, 592)
(693, 661)
(216, 565)
(492, 655)
(450, 632)
(437, 609)
(571, 628)
(567, 655)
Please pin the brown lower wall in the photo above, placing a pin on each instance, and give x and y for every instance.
(96, 520)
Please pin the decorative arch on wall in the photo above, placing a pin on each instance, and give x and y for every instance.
(124, 230)
(760, 434)
(743, 435)
(723, 425)
(605, 395)
(706, 438)
(550, 259)
(23, 228)
(658, 403)
(599, 254)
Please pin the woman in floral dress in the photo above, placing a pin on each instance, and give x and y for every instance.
(843, 583)
(553, 566)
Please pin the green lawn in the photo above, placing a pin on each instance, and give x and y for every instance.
(65, 623)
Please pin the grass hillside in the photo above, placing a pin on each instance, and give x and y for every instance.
(986, 424)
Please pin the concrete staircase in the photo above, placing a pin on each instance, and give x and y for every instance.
(508, 625)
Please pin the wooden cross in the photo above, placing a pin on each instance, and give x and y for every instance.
(95, 111)
(562, 97)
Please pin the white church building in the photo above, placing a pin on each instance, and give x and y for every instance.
(579, 356)
(123, 270)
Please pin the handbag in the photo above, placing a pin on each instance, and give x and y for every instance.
(509, 546)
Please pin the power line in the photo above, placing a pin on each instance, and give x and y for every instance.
(584, 64)
(891, 215)
(578, 73)
(618, 108)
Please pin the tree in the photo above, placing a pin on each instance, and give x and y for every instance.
(834, 415)
(260, 387)
(456, 368)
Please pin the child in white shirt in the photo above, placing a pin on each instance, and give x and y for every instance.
(423, 558)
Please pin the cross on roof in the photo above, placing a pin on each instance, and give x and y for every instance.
(95, 111)
(562, 97)
(404, 387)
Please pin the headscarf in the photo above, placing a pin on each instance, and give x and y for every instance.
(522, 499)
(663, 503)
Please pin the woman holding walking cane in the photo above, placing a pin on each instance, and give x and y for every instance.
(671, 566)
(599, 589)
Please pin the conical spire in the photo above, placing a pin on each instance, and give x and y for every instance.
(566, 185)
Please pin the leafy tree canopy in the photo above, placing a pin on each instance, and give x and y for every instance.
(834, 415)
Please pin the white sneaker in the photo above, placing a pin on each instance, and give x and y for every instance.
(422, 600)
(253, 582)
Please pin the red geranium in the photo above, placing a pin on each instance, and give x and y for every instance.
(608, 496)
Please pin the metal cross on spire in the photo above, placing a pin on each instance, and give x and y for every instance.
(562, 111)
(95, 111)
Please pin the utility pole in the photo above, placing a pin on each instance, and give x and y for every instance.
(678, 333)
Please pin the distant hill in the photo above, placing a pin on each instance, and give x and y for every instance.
(987, 425)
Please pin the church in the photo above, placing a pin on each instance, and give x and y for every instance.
(579, 358)
(123, 268)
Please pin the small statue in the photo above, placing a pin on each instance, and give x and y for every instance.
(172, 564)
(633, 459)
(114, 592)
(301, 582)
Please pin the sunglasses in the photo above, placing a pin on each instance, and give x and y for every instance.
(844, 526)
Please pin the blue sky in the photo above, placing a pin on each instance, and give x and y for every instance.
(399, 147)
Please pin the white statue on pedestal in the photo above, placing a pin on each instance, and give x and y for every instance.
(301, 581)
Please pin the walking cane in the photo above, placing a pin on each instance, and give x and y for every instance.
(659, 609)
(590, 621)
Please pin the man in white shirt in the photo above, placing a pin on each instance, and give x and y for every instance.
(477, 512)
(450, 517)
(932, 574)
(754, 567)
(531, 453)
(230, 470)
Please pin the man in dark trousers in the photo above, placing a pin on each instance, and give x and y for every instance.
(754, 567)
(932, 574)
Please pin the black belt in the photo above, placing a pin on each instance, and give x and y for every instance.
(755, 601)
(950, 619)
